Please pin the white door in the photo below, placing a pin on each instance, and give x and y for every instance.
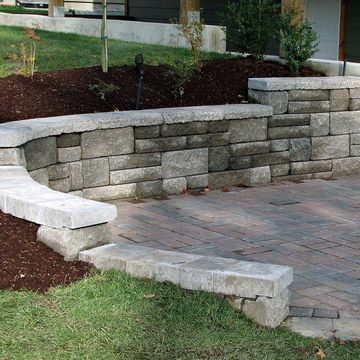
(324, 15)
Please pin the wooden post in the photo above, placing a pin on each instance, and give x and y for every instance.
(56, 8)
(189, 9)
(342, 31)
(298, 5)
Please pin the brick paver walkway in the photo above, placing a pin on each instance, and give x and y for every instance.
(312, 226)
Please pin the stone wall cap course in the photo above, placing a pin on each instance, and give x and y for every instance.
(20, 132)
(304, 83)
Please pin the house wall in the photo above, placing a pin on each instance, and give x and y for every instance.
(352, 30)
(324, 15)
(116, 7)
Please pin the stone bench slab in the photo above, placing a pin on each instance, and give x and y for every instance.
(24, 198)
(193, 272)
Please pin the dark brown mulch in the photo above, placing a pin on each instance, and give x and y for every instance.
(221, 81)
(28, 264)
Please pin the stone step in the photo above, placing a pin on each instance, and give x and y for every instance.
(193, 272)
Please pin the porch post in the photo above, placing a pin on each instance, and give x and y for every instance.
(299, 5)
(56, 8)
(189, 9)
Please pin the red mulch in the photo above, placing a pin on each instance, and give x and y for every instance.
(66, 92)
(28, 264)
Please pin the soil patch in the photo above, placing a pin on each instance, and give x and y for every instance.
(220, 81)
(28, 264)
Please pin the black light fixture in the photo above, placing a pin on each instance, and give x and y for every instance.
(139, 62)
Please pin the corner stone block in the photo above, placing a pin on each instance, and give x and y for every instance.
(96, 172)
(339, 100)
(185, 162)
(277, 99)
(320, 124)
(268, 312)
(40, 153)
(12, 156)
(174, 186)
(248, 130)
(70, 242)
(108, 142)
(330, 147)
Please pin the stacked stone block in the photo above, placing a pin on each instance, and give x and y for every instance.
(153, 160)
(316, 123)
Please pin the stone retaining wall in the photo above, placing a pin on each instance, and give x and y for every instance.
(150, 153)
(315, 129)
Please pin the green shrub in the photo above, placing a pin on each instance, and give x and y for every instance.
(250, 24)
(298, 43)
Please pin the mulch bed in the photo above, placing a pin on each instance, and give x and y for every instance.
(221, 81)
(28, 264)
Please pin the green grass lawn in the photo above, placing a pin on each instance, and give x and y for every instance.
(106, 316)
(57, 51)
(21, 10)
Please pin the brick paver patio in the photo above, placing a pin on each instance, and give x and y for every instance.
(312, 226)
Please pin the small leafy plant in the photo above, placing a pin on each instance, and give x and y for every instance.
(27, 54)
(250, 24)
(193, 31)
(103, 89)
(298, 43)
